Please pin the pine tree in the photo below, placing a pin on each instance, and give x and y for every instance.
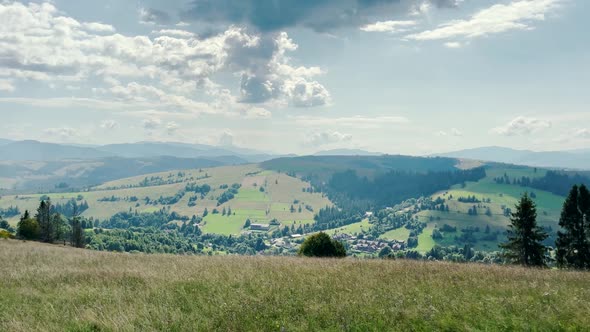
(77, 236)
(573, 243)
(46, 222)
(524, 245)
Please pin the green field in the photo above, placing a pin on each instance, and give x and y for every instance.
(501, 195)
(274, 202)
(400, 234)
(52, 288)
(352, 229)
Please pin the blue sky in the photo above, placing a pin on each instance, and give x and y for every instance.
(395, 76)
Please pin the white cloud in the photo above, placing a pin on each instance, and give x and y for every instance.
(521, 126)
(163, 73)
(453, 45)
(326, 137)
(109, 124)
(582, 133)
(151, 123)
(456, 132)
(174, 33)
(453, 132)
(63, 133)
(389, 26)
(226, 139)
(6, 85)
(172, 127)
(499, 18)
(98, 27)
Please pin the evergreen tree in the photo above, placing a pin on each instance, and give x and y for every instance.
(46, 221)
(573, 243)
(525, 236)
(27, 228)
(77, 236)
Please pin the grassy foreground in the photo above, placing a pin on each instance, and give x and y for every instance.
(54, 288)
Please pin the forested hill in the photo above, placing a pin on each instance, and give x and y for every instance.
(367, 182)
(321, 168)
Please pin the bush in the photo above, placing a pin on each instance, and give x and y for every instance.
(28, 229)
(322, 245)
(4, 234)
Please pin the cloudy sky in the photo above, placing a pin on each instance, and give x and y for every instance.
(297, 76)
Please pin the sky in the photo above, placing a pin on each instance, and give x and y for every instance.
(298, 76)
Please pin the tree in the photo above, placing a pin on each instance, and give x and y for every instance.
(322, 245)
(386, 252)
(525, 236)
(27, 228)
(46, 221)
(77, 238)
(573, 243)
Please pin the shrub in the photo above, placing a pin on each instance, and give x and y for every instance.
(4, 234)
(322, 245)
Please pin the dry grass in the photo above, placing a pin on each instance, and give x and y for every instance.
(54, 288)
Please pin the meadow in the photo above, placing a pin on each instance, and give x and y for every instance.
(279, 192)
(53, 288)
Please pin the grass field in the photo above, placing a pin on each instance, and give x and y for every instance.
(280, 192)
(501, 195)
(400, 234)
(52, 288)
(352, 229)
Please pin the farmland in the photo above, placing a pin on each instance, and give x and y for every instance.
(262, 196)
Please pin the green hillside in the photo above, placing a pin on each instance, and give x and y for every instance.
(52, 288)
(262, 196)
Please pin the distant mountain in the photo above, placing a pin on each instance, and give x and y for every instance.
(4, 141)
(578, 159)
(34, 150)
(346, 152)
(40, 151)
(45, 175)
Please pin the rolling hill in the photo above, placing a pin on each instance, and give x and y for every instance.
(292, 191)
(262, 196)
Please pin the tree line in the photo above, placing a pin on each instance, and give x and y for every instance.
(49, 226)
(572, 247)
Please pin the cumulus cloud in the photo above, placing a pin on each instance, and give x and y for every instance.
(63, 133)
(319, 15)
(153, 16)
(226, 139)
(109, 124)
(151, 123)
(521, 126)
(326, 137)
(499, 18)
(163, 72)
(174, 33)
(6, 85)
(172, 127)
(389, 26)
(582, 133)
(453, 45)
(98, 27)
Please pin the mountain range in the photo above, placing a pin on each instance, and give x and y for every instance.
(30, 150)
(571, 159)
